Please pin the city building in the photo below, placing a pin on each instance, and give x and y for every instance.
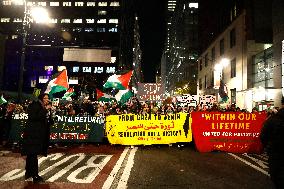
(181, 48)
(244, 60)
(88, 26)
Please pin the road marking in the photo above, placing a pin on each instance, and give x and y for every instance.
(250, 164)
(126, 173)
(115, 170)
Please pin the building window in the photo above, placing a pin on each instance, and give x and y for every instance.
(42, 4)
(7, 2)
(77, 29)
(205, 84)
(112, 29)
(213, 54)
(200, 64)
(206, 59)
(78, 21)
(233, 68)
(91, 4)
(200, 84)
(79, 4)
(54, 4)
(67, 4)
(114, 4)
(233, 96)
(102, 12)
(102, 4)
(90, 21)
(263, 68)
(101, 21)
(115, 21)
(232, 38)
(101, 30)
(89, 29)
(65, 21)
(30, 3)
(17, 20)
(5, 19)
(53, 20)
(222, 48)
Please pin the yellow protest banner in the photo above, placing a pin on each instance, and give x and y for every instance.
(147, 129)
(36, 92)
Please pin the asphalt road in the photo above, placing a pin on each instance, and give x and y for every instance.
(108, 166)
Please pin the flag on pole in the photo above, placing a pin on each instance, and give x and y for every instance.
(101, 96)
(119, 82)
(58, 83)
(68, 94)
(2, 100)
(123, 96)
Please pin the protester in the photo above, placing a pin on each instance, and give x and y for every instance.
(36, 136)
(272, 138)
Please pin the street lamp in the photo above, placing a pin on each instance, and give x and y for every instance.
(39, 15)
(219, 69)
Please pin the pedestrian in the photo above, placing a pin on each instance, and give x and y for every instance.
(36, 136)
(272, 135)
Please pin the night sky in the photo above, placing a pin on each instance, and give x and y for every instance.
(152, 25)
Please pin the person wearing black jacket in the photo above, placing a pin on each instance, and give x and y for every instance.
(36, 136)
(272, 138)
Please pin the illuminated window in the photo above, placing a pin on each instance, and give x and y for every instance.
(87, 69)
(5, 19)
(67, 4)
(102, 12)
(90, 21)
(41, 4)
(114, 4)
(54, 4)
(65, 20)
(30, 4)
(101, 21)
(17, 20)
(53, 20)
(115, 21)
(89, 29)
(60, 68)
(110, 70)
(91, 4)
(76, 68)
(77, 29)
(79, 4)
(112, 29)
(77, 21)
(101, 30)
(98, 70)
(102, 4)
(7, 3)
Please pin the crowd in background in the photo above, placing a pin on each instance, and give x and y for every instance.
(95, 108)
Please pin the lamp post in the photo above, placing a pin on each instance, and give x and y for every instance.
(219, 68)
(40, 15)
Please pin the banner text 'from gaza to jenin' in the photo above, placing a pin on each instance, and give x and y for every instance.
(147, 129)
(235, 132)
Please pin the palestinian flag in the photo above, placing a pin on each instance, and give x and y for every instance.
(68, 93)
(123, 96)
(58, 83)
(104, 97)
(2, 100)
(119, 82)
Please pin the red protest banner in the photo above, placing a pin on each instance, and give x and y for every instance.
(234, 132)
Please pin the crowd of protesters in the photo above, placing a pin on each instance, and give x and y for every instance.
(86, 107)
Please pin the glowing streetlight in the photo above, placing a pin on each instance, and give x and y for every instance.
(40, 15)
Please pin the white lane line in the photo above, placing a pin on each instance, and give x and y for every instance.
(250, 164)
(126, 173)
(115, 170)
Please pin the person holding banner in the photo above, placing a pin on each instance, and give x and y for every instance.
(272, 137)
(36, 136)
